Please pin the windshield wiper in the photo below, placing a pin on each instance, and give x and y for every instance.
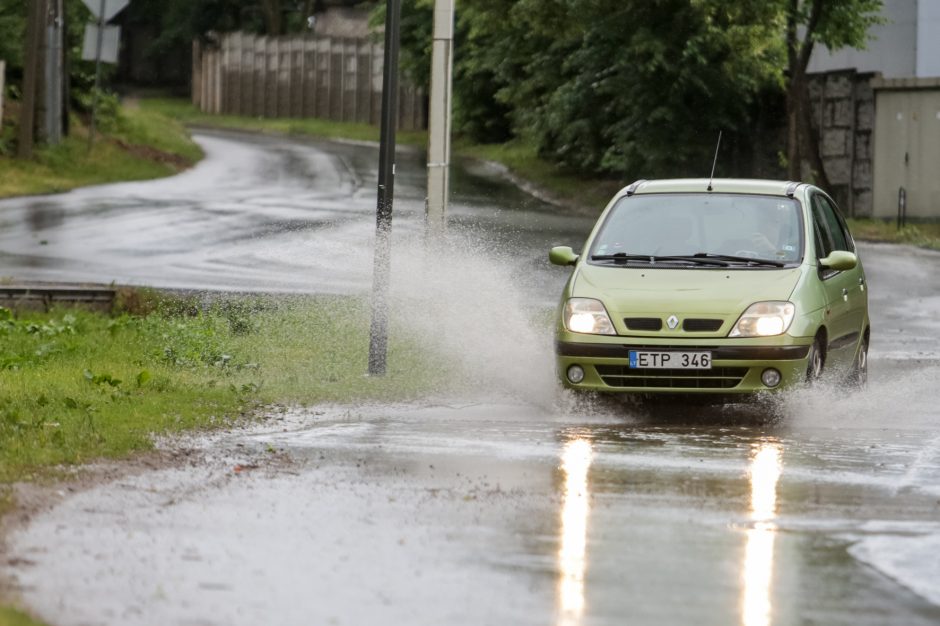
(653, 259)
(739, 259)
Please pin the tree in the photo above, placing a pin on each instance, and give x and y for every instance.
(625, 87)
(836, 24)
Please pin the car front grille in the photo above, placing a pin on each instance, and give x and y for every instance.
(715, 378)
(643, 323)
(701, 326)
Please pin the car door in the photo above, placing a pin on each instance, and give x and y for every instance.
(844, 289)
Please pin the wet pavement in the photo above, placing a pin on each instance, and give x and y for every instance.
(259, 214)
(515, 504)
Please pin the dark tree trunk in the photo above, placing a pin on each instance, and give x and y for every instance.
(802, 137)
(811, 140)
(272, 17)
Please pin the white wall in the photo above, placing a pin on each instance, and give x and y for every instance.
(928, 38)
(893, 49)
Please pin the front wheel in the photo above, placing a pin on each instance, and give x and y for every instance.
(814, 367)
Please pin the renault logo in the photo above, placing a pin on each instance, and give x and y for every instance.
(672, 322)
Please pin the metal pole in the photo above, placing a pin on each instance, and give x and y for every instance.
(378, 341)
(902, 207)
(53, 91)
(439, 121)
(94, 96)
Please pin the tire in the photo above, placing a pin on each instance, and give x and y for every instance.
(815, 362)
(859, 374)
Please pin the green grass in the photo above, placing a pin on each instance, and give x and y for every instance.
(567, 188)
(135, 145)
(12, 617)
(183, 111)
(924, 234)
(79, 386)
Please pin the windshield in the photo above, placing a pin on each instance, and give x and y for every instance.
(702, 225)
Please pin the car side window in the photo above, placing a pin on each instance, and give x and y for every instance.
(836, 227)
(824, 241)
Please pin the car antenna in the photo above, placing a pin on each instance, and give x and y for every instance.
(714, 163)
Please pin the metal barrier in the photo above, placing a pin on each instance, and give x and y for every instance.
(902, 207)
(3, 71)
(48, 297)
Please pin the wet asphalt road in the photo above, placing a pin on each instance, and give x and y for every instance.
(260, 214)
(512, 505)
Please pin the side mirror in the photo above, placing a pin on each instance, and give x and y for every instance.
(840, 260)
(562, 255)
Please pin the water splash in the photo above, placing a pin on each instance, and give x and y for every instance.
(461, 300)
(894, 397)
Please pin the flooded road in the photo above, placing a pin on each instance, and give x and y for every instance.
(515, 504)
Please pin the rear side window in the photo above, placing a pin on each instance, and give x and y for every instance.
(831, 233)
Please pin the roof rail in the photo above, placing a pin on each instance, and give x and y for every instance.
(791, 189)
(631, 189)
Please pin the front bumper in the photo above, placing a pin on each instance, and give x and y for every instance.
(736, 366)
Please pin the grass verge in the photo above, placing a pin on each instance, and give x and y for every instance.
(77, 386)
(924, 234)
(136, 145)
(184, 112)
(12, 617)
(563, 187)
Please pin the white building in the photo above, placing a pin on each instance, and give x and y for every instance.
(879, 114)
(906, 46)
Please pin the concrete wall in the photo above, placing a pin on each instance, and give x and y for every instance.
(844, 116)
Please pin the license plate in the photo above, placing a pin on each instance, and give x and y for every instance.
(670, 360)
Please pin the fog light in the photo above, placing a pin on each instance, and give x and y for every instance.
(770, 377)
(575, 374)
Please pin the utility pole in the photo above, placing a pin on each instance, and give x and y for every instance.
(53, 74)
(439, 121)
(378, 336)
(34, 26)
(94, 94)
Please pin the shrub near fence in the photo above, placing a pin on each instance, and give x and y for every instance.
(304, 76)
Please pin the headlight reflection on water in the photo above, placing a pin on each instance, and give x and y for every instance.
(765, 469)
(572, 561)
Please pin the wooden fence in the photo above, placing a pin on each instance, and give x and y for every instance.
(303, 76)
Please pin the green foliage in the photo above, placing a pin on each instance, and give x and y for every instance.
(108, 112)
(12, 32)
(843, 23)
(624, 87)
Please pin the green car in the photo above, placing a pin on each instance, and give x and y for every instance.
(713, 287)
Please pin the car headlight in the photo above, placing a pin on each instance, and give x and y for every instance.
(585, 315)
(764, 319)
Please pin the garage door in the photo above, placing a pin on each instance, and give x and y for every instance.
(907, 152)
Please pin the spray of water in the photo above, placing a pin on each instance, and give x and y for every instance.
(460, 300)
(895, 397)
